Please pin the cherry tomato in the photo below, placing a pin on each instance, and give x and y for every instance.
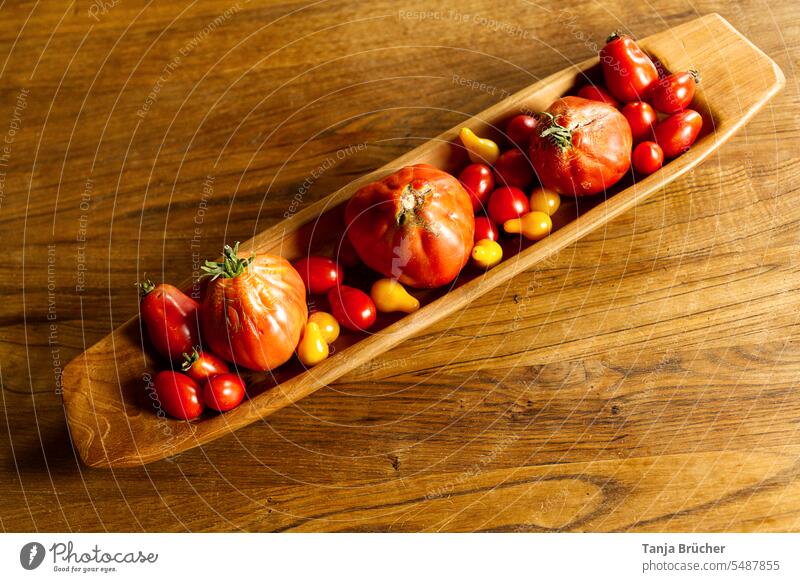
(478, 181)
(677, 132)
(520, 128)
(319, 274)
(642, 118)
(171, 319)
(513, 169)
(202, 365)
(178, 394)
(223, 392)
(673, 93)
(647, 158)
(506, 203)
(627, 70)
(544, 200)
(596, 93)
(485, 229)
(352, 308)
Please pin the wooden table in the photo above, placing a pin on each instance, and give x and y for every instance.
(644, 380)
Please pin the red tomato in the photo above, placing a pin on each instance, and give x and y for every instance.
(345, 253)
(223, 392)
(627, 70)
(647, 158)
(171, 319)
(485, 228)
(642, 118)
(584, 147)
(178, 394)
(352, 308)
(673, 93)
(513, 169)
(677, 132)
(202, 365)
(595, 93)
(478, 181)
(520, 128)
(506, 203)
(415, 225)
(254, 310)
(319, 274)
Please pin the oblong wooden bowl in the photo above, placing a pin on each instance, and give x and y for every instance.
(113, 423)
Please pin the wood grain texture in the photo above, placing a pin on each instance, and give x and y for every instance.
(643, 378)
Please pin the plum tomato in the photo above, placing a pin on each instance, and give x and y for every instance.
(678, 132)
(319, 274)
(674, 92)
(520, 128)
(202, 365)
(485, 229)
(223, 392)
(627, 70)
(171, 319)
(513, 169)
(478, 181)
(595, 93)
(178, 394)
(352, 308)
(506, 203)
(647, 158)
(642, 118)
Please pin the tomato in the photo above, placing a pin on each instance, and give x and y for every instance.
(352, 308)
(170, 317)
(223, 392)
(583, 147)
(647, 158)
(202, 365)
(677, 132)
(485, 229)
(627, 70)
(544, 200)
(345, 253)
(673, 93)
(319, 274)
(520, 128)
(642, 118)
(415, 225)
(478, 181)
(513, 169)
(595, 93)
(506, 203)
(254, 309)
(178, 394)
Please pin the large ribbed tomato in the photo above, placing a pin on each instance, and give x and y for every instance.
(415, 225)
(254, 309)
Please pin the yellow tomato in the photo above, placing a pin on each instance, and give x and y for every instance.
(487, 253)
(312, 349)
(390, 295)
(534, 225)
(480, 150)
(544, 200)
(328, 326)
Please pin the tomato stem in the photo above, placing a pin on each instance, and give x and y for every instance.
(613, 36)
(190, 359)
(231, 265)
(558, 134)
(145, 286)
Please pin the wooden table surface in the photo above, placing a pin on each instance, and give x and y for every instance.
(643, 380)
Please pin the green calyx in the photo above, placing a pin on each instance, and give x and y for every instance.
(145, 286)
(613, 36)
(559, 135)
(190, 359)
(231, 265)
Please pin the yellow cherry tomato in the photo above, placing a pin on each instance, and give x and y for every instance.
(487, 253)
(544, 200)
(480, 150)
(534, 225)
(390, 295)
(312, 348)
(328, 326)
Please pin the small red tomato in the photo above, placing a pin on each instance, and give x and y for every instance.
(677, 132)
(171, 319)
(647, 158)
(178, 394)
(485, 228)
(520, 128)
(202, 365)
(513, 169)
(595, 93)
(319, 274)
(642, 118)
(627, 70)
(506, 203)
(223, 392)
(478, 181)
(352, 308)
(673, 93)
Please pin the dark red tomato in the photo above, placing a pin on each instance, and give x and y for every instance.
(596, 93)
(647, 158)
(506, 203)
(520, 128)
(171, 319)
(319, 274)
(627, 70)
(223, 392)
(178, 395)
(673, 93)
(352, 308)
(642, 118)
(478, 181)
(513, 169)
(485, 228)
(202, 365)
(677, 133)
(345, 254)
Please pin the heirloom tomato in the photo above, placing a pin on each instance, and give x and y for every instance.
(170, 317)
(627, 70)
